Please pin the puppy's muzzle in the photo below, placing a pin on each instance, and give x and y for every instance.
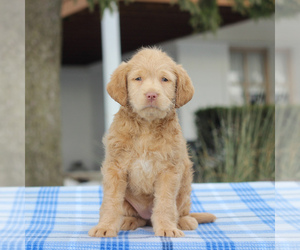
(151, 97)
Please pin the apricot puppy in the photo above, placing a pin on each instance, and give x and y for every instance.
(147, 172)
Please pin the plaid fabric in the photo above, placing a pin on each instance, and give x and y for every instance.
(60, 217)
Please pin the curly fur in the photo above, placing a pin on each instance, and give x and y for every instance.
(147, 172)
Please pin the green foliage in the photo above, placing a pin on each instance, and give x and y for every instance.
(287, 143)
(287, 8)
(103, 4)
(255, 8)
(235, 144)
(205, 13)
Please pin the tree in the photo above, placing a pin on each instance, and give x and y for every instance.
(42, 122)
(205, 13)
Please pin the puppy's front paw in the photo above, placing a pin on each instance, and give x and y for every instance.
(173, 232)
(98, 231)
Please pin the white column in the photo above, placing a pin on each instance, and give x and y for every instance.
(111, 58)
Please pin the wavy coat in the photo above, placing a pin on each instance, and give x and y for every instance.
(147, 173)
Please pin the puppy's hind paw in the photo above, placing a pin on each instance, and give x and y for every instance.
(203, 217)
(187, 223)
(132, 223)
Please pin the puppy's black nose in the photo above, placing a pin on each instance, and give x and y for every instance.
(151, 96)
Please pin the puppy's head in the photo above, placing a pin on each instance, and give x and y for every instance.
(151, 83)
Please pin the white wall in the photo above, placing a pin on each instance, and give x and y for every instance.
(288, 38)
(207, 65)
(98, 122)
(82, 116)
(296, 73)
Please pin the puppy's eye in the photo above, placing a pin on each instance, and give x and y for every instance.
(138, 79)
(164, 79)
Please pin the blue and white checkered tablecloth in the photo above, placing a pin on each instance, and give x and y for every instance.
(60, 217)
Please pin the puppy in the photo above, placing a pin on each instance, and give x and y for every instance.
(147, 172)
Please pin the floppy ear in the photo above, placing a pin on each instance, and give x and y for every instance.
(117, 87)
(184, 87)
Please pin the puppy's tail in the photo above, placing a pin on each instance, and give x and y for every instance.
(203, 217)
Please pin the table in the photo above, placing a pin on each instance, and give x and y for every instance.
(60, 217)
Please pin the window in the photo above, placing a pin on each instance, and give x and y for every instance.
(248, 76)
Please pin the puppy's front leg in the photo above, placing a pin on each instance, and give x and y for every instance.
(114, 187)
(165, 214)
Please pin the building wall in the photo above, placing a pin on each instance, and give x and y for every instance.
(98, 121)
(296, 73)
(207, 65)
(82, 116)
(285, 41)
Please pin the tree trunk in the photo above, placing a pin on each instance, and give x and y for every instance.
(43, 126)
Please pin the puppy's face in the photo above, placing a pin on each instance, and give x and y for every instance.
(151, 83)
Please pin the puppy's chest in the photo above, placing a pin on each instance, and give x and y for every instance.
(150, 155)
(142, 175)
(146, 144)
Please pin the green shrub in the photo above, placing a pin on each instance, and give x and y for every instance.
(234, 144)
(287, 146)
